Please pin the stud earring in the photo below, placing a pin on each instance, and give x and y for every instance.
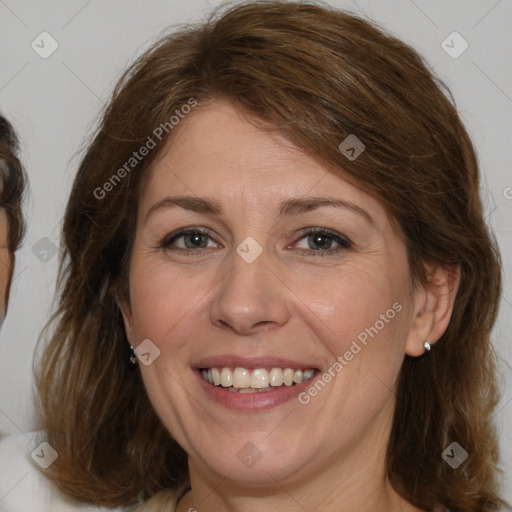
(427, 346)
(133, 357)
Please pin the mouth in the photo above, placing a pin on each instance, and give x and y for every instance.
(256, 380)
(250, 385)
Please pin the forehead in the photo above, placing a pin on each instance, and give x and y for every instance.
(218, 141)
(216, 152)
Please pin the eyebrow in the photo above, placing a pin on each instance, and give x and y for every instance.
(290, 207)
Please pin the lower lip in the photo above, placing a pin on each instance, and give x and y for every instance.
(250, 402)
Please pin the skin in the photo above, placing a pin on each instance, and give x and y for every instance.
(290, 302)
(6, 264)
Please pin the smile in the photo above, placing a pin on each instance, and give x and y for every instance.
(257, 380)
(258, 386)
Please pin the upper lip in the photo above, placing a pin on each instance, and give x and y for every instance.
(232, 361)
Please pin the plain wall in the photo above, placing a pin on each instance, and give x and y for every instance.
(54, 102)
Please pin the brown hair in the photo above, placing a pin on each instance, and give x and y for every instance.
(12, 183)
(315, 75)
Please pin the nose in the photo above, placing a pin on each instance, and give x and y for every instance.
(250, 297)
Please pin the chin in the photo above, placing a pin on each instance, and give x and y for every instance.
(258, 461)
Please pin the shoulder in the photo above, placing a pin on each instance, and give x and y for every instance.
(23, 485)
(164, 500)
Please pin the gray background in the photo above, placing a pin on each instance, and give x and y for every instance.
(54, 103)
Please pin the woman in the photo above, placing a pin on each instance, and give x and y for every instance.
(22, 487)
(12, 227)
(277, 288)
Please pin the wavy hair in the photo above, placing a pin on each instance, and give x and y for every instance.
(315, 75)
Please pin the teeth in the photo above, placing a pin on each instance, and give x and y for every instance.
(226, 378)
(276, 377)
(259, 379)
(215, 377)
(242, 380)
(307, 374)
(288, 375)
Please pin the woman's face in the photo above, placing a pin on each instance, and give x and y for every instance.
(6, 263)
(238, 263)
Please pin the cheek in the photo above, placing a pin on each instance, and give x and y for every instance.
(359, 318)
(165, 302)
(354, 303)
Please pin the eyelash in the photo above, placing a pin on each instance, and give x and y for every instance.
(344, 243)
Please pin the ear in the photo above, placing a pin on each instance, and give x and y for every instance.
(124, 304)
(433, 307)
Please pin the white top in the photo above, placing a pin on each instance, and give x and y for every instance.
(23, 488)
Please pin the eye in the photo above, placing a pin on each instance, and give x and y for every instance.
(320, 241)
(193, 239)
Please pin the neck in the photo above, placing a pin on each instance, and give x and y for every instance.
(384, 499)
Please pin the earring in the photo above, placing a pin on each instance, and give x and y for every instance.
(427, 346)
(133, 357)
